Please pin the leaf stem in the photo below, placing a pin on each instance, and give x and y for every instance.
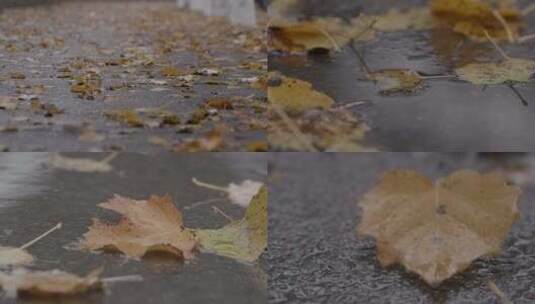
(526, 38)
(217, 210)
(500, 18)
(126, 278)
(209, 186)
(498, 48)
(58, 226)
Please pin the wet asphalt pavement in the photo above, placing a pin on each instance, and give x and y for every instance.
(315, 256)
(447, 114)
(95, 37)
(46, 196)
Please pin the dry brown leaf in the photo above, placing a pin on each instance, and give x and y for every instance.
(48, 283)
(212, 141)
(437, 229)
(473, 17)
(293, 94)
(170, 71)
(147, 226)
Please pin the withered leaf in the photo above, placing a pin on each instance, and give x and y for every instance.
(48, 283)
(437, 229)
(243, 240)
(147, 226)
(128, 117)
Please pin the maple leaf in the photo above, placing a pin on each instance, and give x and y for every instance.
(48, 283)
(295, 95)
(146, 226)
(437, 229)
(243, 240)
(509, 70)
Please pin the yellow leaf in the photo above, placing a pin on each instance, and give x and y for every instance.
(510, 70)
(295, 95)
(396, 80)
(243, 240)
(437, 229)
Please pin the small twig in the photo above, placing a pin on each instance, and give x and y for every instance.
(498, 48)
(502, 297)
(209, 186)
(58, 226)
(126, 278)
(365, 66)
(500, 18)
(109, 158)
(437, 77)
(517, 93)
(528, 9)
(217, 210)
(526, 38)
(200, 203)
(294, 128)
(351, 104)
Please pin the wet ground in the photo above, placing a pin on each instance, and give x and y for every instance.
(42, 197)
(315, 256)
(447, 114)
(176, 76)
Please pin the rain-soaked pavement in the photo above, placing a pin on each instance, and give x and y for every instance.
(315, 256)
(447, 114)
(34, 197)
(179, 75)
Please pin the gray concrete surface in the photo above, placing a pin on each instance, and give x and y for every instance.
(315, 256)
(48, 196)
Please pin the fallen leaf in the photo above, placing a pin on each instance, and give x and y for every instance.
(14, 256)
(239, 194)
(85, 165)
(47, 283)
(396, 80)
(395, 20)
(170, 71)
(293, 94)
(320, 33)
(243, 240)
(147, 226)
(510, 70)
(473, 17)
(128, 117)
(335, 130)
(8, 103)
(212, 141)
(437, 229)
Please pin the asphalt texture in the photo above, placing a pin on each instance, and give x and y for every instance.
(315, 255)
(44, 196)
(446, 114)
(125, 47)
